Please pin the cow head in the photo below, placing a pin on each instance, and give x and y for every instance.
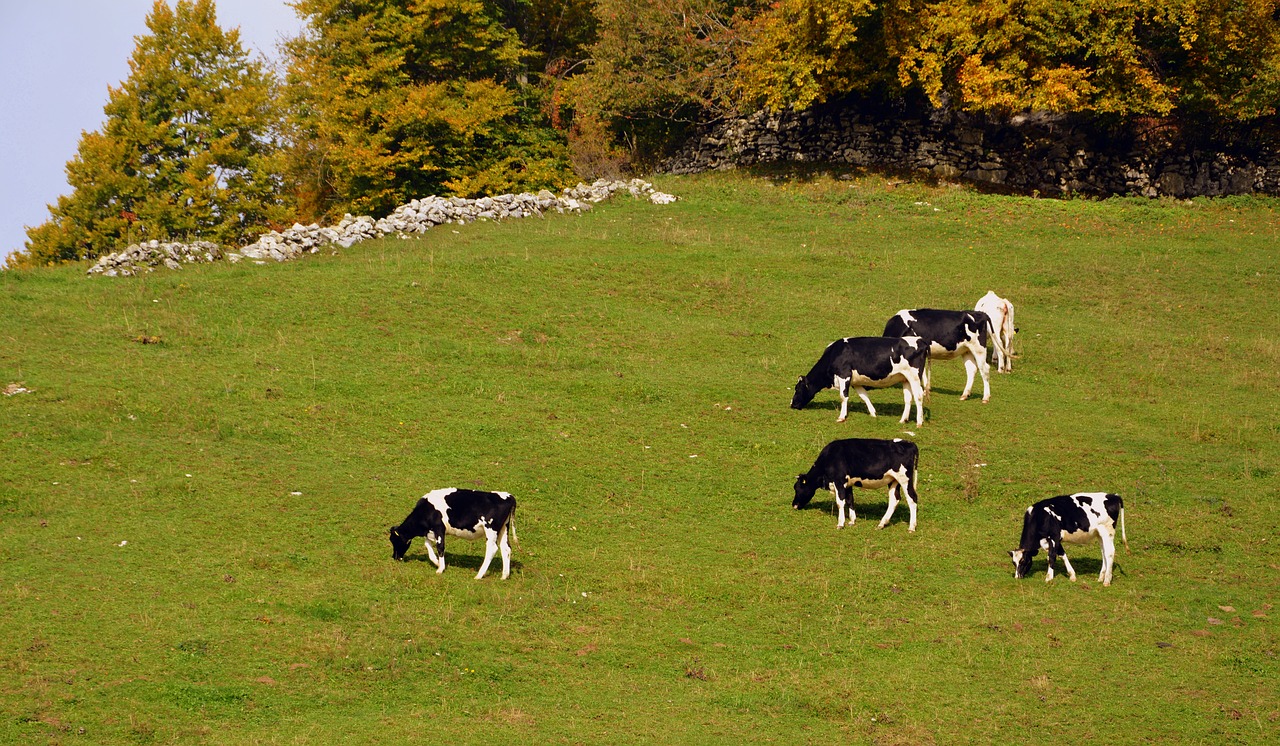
(399, 543)
(804, 393)
(1021, 561)
(805, 488)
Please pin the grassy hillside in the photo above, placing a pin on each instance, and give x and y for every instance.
(626, 375)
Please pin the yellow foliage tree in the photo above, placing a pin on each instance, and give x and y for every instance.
(396, 99)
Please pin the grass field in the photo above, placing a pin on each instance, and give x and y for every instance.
(193, 532)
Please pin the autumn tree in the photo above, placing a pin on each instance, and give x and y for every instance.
(1216, 58)
(802, 52)
(396, 99)
(656, 68)
(187, 150)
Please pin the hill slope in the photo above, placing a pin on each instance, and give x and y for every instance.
(193, 531)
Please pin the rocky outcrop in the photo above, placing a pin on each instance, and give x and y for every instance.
(1048, 154)
(418, 216)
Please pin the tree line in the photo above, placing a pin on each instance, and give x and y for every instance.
(377, 102)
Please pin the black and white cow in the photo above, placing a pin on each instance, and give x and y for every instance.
(950, 334)
(1076, 519)
(867, 362)
(1000, 311)
(470, 514)
(865, 463)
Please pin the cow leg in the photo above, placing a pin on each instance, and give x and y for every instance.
(844, 500)
(862, 394)
(917, 392)
(893, 503)
(907, 398)
(1108, 555)
(490, 549)
(842, 388)
(1071, 571)
(504, 545)
(912, 498)
(436, 554)
(1052, 551)
(970, 367)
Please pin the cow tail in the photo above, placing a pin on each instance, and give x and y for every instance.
(1123, 535)
(915, 479)
(511, 526)
(928, 366)
(1008, 331)
(994, 334)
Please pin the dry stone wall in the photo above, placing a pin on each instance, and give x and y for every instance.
(418, 216)
(1045, 154)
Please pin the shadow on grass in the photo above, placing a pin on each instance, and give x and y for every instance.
(467, 561)
(873, 511)
(882, 410)
(1087, 568)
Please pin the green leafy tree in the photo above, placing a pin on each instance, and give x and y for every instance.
(188, 150)
(396, 99)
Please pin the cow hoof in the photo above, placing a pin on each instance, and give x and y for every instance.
(842, 419)
(966, 396)
(984, 401)
(1073, 578)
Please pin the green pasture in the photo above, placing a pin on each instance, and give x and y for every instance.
(195, 493)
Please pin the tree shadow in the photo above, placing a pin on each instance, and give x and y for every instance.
(808, 172)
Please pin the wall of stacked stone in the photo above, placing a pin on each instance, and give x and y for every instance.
(418, 216)
(1045, 154)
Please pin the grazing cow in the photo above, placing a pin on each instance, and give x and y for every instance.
(1076, 519)
(865, 463)
(1000, 311)
(950, 334)
(471, 514)
(862, 362)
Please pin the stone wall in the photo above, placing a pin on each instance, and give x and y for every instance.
(1045, 154)
(417, 216)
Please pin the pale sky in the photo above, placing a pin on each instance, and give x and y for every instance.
(57, 58)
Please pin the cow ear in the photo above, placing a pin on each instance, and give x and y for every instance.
(1011, 551)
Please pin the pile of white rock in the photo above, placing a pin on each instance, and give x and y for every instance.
(418, 216)
(145, 257)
